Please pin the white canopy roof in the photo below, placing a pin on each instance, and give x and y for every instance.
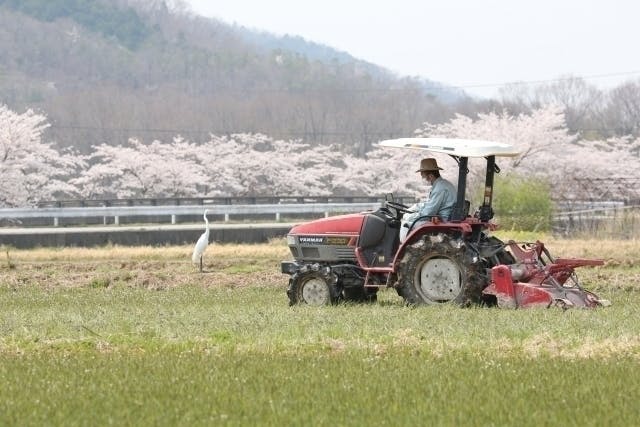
(454, 146)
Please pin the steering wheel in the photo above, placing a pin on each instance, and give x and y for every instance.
(399, 207)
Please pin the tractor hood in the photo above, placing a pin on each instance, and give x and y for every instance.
(335, 225)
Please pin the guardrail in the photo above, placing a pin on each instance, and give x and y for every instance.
(161, 211)
(172, 213)
(207, 201)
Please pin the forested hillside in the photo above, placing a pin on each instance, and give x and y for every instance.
(104, 71)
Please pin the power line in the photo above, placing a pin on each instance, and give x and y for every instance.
(555, 80)
(433, 86)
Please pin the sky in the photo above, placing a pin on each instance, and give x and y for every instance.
(476, 45)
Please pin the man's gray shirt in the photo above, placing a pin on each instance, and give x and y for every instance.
(441, 201)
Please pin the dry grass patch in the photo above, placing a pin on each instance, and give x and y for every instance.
(545, 345)
(229, 265)
(275, 249)
(234, 265)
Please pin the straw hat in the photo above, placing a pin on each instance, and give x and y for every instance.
(429, 164)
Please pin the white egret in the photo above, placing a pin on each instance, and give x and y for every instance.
(202, 243)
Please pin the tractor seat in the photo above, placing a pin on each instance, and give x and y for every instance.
(464, 212)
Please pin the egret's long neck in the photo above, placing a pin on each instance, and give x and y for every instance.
(206, 221)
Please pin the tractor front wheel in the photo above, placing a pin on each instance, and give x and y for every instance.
(312, 288)
(437, 269)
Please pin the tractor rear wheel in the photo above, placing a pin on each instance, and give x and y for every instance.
(312, 288)
(437, 269)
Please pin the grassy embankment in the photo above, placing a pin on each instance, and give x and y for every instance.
(137, 336)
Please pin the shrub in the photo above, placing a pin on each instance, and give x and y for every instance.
(522, 203)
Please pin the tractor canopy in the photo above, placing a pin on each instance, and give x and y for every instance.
(455, 147)
(461, 150)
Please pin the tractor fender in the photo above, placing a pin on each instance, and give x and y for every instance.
(449, 228)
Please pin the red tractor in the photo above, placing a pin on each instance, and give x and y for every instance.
(350, 257)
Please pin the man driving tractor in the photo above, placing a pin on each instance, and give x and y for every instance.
(440, 201)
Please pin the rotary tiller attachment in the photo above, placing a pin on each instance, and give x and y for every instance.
(539, 280)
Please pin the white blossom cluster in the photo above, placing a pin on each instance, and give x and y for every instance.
(254, 164)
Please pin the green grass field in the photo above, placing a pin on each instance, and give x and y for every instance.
(136, 336)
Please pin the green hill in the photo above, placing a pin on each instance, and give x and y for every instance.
(104, 71)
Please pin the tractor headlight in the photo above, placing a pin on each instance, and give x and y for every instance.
(291, 240)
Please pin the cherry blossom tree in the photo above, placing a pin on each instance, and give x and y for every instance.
(253, 164)
(257, 165)
(141, 170)
(531, 133)
(548, 150)
(31, 170)
(566, 166)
